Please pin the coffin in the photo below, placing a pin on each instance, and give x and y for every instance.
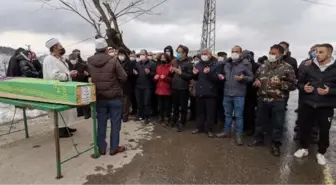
(49, 91)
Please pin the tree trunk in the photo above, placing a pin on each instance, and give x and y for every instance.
(114, 38)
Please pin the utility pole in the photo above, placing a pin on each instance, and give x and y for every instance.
(208, 39)
(28, 47)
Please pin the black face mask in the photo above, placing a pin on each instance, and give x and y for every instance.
(62, 51)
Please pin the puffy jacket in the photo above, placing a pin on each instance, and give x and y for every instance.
(233, 87)
(181, 81)
(143, 80)
(281, 70)
(108, 75)
(206, 83)
(80, 67)
(27, 68)
(163, 86)
(13, 68)
(310, 72)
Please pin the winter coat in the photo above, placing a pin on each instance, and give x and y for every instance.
(13, 68)
(310, 72)
(80, 67)
(181, 81)
(206, 83)
(291, 61)
(233, 87)
(143, 80)
(163, 86)
(108, 75)
(128, 86)
(281, 70)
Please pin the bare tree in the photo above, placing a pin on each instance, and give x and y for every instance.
(108, 12)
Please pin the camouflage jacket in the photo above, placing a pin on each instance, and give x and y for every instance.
(270, 71)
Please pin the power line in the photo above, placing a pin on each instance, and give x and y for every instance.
(318, 3)
(148, 10)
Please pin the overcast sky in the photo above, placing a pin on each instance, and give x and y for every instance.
(252, 24)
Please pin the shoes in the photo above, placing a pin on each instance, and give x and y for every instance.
(275, 151)
(239, 141)
(210, 135)
(223, 135)
(64, 133)
(180, 127)
(120, 149)
(196, 131)
(321, 159)
(301, 153)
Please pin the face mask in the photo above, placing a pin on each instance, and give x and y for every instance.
(168, 53)
(62, 51)
(164, 61)
(155, 58)
(205, 58)
(121, 57)
(138, 59)
(132, 58)
(235, 56)
(272, 58)
(142, 57)
(220, 59)
(313, 54)
(150, 58)
(178, 55)
(111, 54)
(73, 62)
(285, 52)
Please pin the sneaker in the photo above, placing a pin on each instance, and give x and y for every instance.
(301, 153)
(321, 159)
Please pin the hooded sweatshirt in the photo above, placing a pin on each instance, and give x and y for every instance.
(108, 75)
(27, 67)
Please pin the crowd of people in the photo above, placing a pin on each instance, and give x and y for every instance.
(206, 89)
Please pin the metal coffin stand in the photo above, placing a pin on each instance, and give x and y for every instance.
(55, 108)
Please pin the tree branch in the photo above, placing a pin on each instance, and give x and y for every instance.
(90, 17)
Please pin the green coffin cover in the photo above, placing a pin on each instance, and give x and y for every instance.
(49, 91)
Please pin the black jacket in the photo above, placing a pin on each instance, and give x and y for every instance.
(181, 82)
(291, 61)
(13, 68)
(128, 66)
(27, 68)
(145, 81)
(310, 72)
(80, 67)
(206, 84)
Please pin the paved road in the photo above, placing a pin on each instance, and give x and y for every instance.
(186, 158)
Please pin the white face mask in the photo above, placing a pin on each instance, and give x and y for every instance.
(73, 62)
(205, 58)
(132, 58)
(111, 54)
(168, 53)
(235, 56)
(272, 58)
(150, 58)
(138, 59)
(142, 57)
(220, 59)
(155, 58)
(121, 57)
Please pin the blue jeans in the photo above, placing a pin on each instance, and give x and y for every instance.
(236, 104)
(143, 97)
(109, 109)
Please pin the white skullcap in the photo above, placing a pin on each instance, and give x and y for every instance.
(101, 43)
(52, 42)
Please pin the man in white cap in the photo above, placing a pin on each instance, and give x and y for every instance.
(108, 75)
(55, 68)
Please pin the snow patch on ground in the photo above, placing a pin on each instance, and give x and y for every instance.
(32, 161)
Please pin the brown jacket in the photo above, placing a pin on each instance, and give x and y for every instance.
(108, 75)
